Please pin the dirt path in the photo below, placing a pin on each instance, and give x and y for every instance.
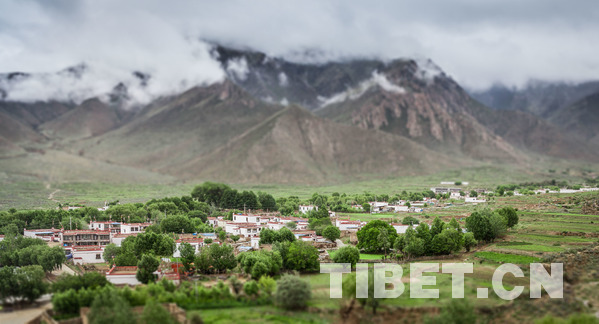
(51, 195)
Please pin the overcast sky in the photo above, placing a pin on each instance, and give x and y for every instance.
(476, 42)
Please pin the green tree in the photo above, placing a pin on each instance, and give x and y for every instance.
(30, 282)
(110, 252)
(267, 201)
(292, 293)
(349, 291)
(250, 288)
(176, 224)
(473, 193)
(235, 238)
(222, 257)
(291, 225)
(146, 267)
(437, 226)
(222, 236)
(286, 235)
(409, 220)
(154, 313)
(110, 308)
(510, 215)
(302, 256)
(458, 311)
(331, 233)
(267, 285)
(187, 255)
(368, 236)
(210, 192)
(469, 241)
(347, 254)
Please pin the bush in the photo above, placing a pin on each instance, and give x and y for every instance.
(458, 311)
(110, 308)
(347, 254)
(155, 313)
(331, 233)
(146, 267)
(267, 285)
(250, 288)
(292, 293)
(302, 256)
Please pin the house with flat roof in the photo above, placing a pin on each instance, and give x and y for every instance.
(88, 254)
(134, 228)
(48, 235)
(85, 237)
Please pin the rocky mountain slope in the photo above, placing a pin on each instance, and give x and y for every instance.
(275, 121)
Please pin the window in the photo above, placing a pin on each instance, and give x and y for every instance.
(98, 256)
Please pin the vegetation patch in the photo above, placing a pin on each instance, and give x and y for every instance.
(506, 258)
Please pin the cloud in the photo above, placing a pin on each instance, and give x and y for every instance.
(478, 43)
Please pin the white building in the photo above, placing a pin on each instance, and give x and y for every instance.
(307, 208)
(400, 208)
(113, 227)
(118, 239)
(400, 228)
(88, 254)
(134, 228)
(48, 235)
(196, 243)
(475, 200)
(246, 219)
(123, 275)
(1, 238)
(347, 225)
(255, 242)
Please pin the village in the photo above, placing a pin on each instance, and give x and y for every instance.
(87, 246)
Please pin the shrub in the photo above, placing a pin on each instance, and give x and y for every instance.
(347, 254)
(292, 293)
(331, 232)
(155, 313)
(110, 308)
(250, 288)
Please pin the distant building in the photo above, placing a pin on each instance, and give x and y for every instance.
(88, 254)
(400, 228)
(134, 228)
(307, 208)
(123, 275)
(113, 227)
(48, 235)
(85, 238)
(475, 200)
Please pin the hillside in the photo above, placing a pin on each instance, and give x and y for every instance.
(91, 118)
(294, 146)
(581, 118)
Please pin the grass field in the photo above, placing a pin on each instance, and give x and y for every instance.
(261, 314)
(506, 258)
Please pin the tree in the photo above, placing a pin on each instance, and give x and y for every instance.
(210, 192)
(510, 215)
(267, 285)
(235, 238)
(208, 241)
(458, 311)
(366, 207)
(486, 225)
(291, 225)
(146, 267)
(236, 285)
(177, 224)
(302, 256)
(446, 242)
(292, 293)
(347, 254)
(368, 236)
(109, 308)
(473, 193)
(409, 220)
(30, 282)
(222, 236)
(222, 257)
(155, 313)
(250, 288)
(158, 244)
(331, 233)
(259, 263)
(349, 290)
(187, 255)
(469, 241)
(267, 201)
(286, 235)
(437, 226)
(383, 239)
(110, 252)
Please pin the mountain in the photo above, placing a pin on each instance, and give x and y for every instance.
(581, 118)
(277, 121)
(538, 98)
(294, 146)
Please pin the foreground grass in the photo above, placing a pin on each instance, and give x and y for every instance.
(263, 314)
